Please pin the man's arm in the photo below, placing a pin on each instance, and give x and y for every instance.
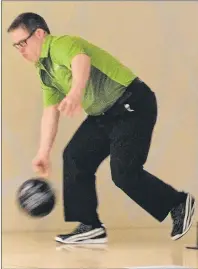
(81, 65)
(49, 128)
(50, 118)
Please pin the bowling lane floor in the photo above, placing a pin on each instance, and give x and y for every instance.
(130, 248)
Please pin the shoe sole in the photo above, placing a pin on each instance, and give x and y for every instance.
(176, 237)
(87, 241)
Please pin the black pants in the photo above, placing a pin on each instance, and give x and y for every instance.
(124, 132)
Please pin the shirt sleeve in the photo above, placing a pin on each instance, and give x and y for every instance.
(65, 48)
(51, 96)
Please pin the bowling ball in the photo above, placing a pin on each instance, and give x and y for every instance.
(36, 197)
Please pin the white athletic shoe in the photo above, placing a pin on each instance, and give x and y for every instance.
(183, 217)
(84, 234)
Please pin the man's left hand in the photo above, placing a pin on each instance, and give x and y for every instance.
(71, 104)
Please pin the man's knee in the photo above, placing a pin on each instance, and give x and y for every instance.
(76, 164)
(124, 174)
(70, 164)
(66, 154)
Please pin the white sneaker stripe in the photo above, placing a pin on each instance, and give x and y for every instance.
(85, 234)
(190, 213)
(84, 237)
(186, 212)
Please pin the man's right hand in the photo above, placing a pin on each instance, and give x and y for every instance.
(41, 165)
(49, 126)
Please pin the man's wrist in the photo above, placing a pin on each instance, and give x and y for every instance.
(45, 153)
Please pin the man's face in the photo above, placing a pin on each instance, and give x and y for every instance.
(28, 44)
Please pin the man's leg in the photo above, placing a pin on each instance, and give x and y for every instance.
(81, 158)
(130, 142)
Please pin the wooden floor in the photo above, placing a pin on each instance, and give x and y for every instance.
(126, 248)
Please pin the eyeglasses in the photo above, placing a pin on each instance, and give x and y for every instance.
(23, 42)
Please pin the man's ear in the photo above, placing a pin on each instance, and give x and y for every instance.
(40, 33)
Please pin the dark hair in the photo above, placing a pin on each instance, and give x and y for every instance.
(29, 21)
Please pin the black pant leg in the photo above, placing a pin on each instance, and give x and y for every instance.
(87, 149)
(130, 142)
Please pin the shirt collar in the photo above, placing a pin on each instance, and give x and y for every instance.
(44, 49)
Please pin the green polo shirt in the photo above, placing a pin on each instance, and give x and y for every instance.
(108, 76)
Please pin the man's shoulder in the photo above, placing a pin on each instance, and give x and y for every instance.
(65, 40)
(64, 46)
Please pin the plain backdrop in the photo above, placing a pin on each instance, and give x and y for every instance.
(158, 41)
